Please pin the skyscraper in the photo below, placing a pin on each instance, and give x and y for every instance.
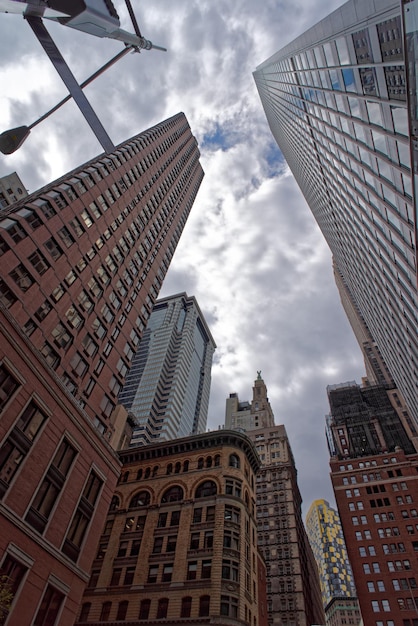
(374, 476)
(326, 537)
(337, 100)
(293, 592)
(167, 388)
(83, 260)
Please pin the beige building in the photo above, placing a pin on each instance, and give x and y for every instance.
(180, 540)
(293, 592)
(11, 190)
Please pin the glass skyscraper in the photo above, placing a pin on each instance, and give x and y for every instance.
(340, 101)
(167, 388)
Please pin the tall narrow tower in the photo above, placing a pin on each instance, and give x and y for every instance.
(167, 389)
(293, 592)
(341, 103)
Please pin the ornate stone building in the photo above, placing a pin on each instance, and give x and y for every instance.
(293, 591)
(180, 540)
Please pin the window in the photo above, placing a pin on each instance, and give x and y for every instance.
(167, 573)
(370, 587)
(229, 606)
(8, 385)
(144, 609)
(16, 446)
(39, 262)
(7, 297)
(171, 543)
(105, 612)
(204, 605)
(12, 573)
(206, 568)
(47, 614)
(82, 517)
(53, 248)
(152, 574)
(66, 237)
(61, 336)
(233, 487)
(234, 461)
(84, 613)
(191, 570)
(162, 608)
(197, 516)
(140, 499)
(230, 570)
(186, 606)
(158, 545)
(122, 610)
(51, 486)
(162, 520)
(232, 514)
(22, 277)
(208, 540)
(174, 494)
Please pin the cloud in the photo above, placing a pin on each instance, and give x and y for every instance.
(251, 251)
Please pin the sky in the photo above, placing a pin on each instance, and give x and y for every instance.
(251, 252)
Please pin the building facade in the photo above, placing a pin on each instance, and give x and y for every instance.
(293, 591)
(326, 537)
(82, 263)
(167, 389)
(336, 99)
(374, 476)
(84, 258)
(57, 478)
(180, 541)
(11, 190)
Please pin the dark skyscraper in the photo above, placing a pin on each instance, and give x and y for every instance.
(341, 103)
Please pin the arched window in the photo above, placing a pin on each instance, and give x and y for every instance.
(204, 604)
(162, 608)
(155, 470)
(139, 474)
(177, 468)
(217, 460)
(84, 613)
(169, 469)
(234, 461)
(124, 477)
(105, 612)
(115, 504)
(140, 499)
(144, 609)
(208, 488)
(247, 501)
(209, 461)
(147, 472)
(122, 610)
(186, 606)
(186, 466)
(200, 463)
(173, 494)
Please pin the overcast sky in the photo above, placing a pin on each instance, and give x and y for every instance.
(251, 252)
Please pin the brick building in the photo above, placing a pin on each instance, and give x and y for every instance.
(83, 260)
(57, 477)
(180, 540)
(374, 475)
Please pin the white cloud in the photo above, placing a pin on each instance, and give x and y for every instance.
(251, 252)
